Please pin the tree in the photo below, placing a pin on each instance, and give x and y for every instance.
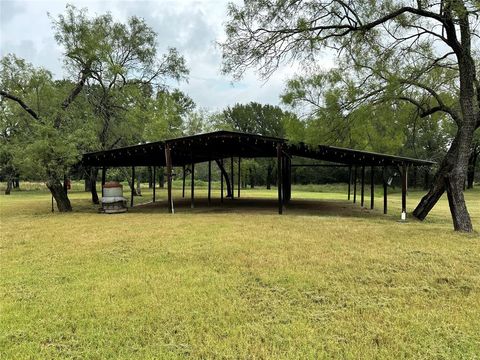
(390, 126)
(255, 118)
(393, 50)
(7, 169)
(167, 114)
(196, 122)
(9, 126)
(47, 140)
(113, 64)
(124, 76)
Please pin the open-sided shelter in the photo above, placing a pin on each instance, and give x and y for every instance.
(219, 145)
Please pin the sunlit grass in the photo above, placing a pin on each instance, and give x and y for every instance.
(325, 280)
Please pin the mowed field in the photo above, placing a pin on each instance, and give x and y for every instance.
(325, 280)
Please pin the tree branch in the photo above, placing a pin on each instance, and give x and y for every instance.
(25, 107)
(365, 27)
(441, 105)
(115, 143)
(423, 112)
(78, 87)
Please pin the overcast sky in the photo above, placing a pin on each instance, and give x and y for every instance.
(193, 27)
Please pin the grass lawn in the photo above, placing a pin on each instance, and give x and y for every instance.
(325, 280)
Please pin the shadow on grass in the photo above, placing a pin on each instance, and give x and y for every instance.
(39, 203)
(261, 206)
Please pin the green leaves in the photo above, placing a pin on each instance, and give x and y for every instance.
(116, 71)
(84, 40)
(113, 52)
(253, 118)
(21, 79)
(345, 112)
(169, 115)
(46, 155)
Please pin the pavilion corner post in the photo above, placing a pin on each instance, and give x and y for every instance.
(355, 185)
(132, 189)
(221, 181)
(232, 177)
(209, 181)
(349, 180)
(404, 174)
(372, 187)
(279, 178)
(168, 161)
(239, 184)
(192, 187)
(154, 182)
(289, 177)
(183, 181)
(385, 192)
(104, 177)
(362, 190)
(286, 178)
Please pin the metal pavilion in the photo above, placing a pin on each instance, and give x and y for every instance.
(219, 145)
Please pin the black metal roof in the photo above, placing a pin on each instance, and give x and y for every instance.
(223, 144)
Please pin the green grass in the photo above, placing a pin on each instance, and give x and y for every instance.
(325, 280)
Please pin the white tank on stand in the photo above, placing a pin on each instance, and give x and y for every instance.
(112, 199)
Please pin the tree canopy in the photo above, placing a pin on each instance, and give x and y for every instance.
(114, 71)
(419, 52)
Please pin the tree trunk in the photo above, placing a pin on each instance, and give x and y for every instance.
(269, 175)
(9, 186)
(472, 162)
(458, 207)
(65, 183)
(453, 169)
(252, 178)
(161, 178)
(139, 187)
(414, 177)
(150, 177)
(227, 179)
(131, 185)
(59, 194)
(451, 177)
(93, 185)
(88, 183)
